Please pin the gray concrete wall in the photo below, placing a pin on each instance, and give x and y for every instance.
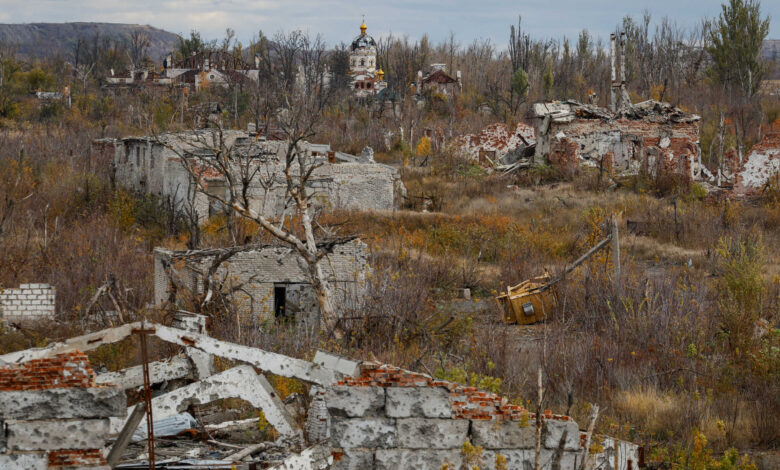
(260, 270)
(28, 302)
(149, 166)
(394, 428)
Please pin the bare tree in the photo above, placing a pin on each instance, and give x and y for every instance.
(297, 93)
(139, 46)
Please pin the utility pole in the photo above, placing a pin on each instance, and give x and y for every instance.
(613, 74)
(616, 250)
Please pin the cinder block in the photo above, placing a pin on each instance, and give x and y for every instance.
(57, 434)
(427, 433)
(353, 459)
(38, 461)
(63, 403)
(354, 402)
(404, 459)
(502, 435)
(428, 402)
(363, 432)
(526, 458)
(337, 363)
(563, 435)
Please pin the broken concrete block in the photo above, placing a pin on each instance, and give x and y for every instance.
(339, 364)
(354, 402)
(563, 435)
(353, 459)
(313, 458)
(159, 371)
(525, 458)
(57, 434)
(239, 382)
(428, 402)
(363, 432)
(422, 433)
(403, 459)
(63, 403)
(24, 462)
(502, 435)
(515, 458)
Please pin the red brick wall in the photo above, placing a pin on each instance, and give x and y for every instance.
(61, 371)
(683, 138)
(74, 458)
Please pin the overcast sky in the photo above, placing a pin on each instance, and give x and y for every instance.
(339, 20)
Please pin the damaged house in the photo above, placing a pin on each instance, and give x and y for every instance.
(495, 145)
(762, 165)
(155, 165)
(269, 282)
(650, 136)
(196, 72)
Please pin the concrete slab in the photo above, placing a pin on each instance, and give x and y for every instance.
(354, 402)
(502, 435)
(57, 434)
(63, 403)
(428, 433)
(409, 402)
(363, 432)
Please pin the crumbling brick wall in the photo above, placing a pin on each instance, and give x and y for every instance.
(633, 145)
(54, 415)
(28, 302)
(762, 165)
(495, 141)
(390, 418)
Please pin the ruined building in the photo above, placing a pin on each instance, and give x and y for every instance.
(155, 165)
(649, 136)
(762, 165)
(367, 80)
(652, 137)
(496, 145)
(273, 280)
(436, 80)
(218, 68)
(363, 415)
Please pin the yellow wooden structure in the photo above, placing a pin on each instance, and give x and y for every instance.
(529, 302)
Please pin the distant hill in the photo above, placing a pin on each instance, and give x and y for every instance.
(771, 52)
(47, 40)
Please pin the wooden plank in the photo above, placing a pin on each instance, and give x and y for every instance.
(126, 434)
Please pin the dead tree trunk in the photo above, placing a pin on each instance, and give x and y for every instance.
(594, 415)
(538, 448)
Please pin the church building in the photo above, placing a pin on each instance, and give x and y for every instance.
(367, 81)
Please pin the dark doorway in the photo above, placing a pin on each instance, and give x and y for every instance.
(280, 301)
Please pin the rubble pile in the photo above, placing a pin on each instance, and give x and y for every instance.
(363, 415)
(652, 137)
